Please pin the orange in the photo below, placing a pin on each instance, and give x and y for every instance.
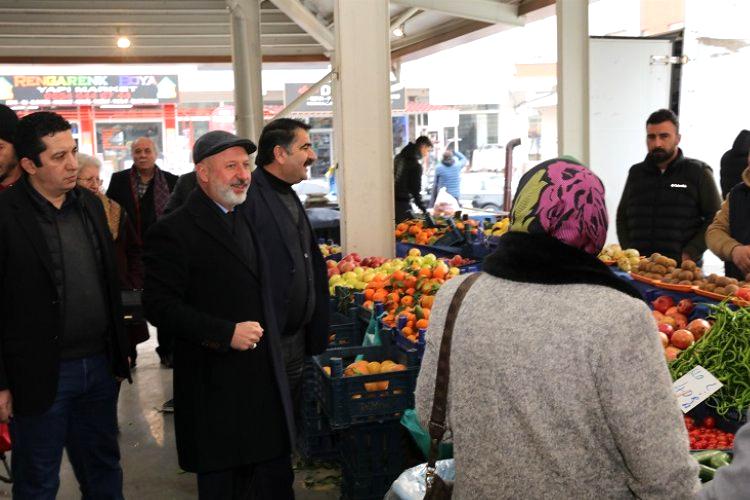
(407, 331)
(422, 324)
(425, 272)
(369, 292)
(398, 275)
(368, 304)
(402, 227)
(407, 300)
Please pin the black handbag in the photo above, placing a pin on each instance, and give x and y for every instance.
(437, 488)
(132, 307)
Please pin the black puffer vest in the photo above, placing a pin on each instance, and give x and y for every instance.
(739, 224)
(664, 209)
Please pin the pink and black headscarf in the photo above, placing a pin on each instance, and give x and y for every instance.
(562, 199)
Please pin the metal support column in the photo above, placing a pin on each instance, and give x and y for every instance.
(573, 79)
(362, 123)
(247, 63)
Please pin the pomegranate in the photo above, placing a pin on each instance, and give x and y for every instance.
(685, 306)
(671, 353)
(698, 327)
(664, 339)
(663, 303)
(666, 329)
(682, 339)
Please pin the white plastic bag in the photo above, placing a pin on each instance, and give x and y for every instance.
(410, 485)
(445, 204)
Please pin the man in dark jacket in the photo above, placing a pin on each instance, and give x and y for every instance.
(208, 280)
(734, 162)
(10, 172)
(407, 174)
(143, 191)
(300, 285)
(668, 200)
(63, 345)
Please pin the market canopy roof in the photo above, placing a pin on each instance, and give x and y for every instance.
(68, 31)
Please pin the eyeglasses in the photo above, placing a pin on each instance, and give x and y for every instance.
(90, 180)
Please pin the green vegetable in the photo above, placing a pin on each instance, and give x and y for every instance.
(725, 352)
(706, 473)
(720, 460)
(704, 456)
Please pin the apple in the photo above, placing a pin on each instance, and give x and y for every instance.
(682, 339)
(331, 264)
(672, 352)
(664, 339)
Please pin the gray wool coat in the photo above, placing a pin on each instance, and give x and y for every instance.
(557, 392)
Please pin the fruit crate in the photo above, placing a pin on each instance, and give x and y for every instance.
(395, 338)
(317, 441)
(344, 330)
(402, 249)
(372, 456)
(347, 402)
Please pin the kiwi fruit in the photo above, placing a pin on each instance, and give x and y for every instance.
(709, 287)
(722, 281)
(720, 290)
(661, 260)
(671, 263)
(731, 289)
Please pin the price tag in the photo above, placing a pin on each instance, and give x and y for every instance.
(695, 387)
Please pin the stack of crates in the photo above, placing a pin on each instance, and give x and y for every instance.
(366, 410)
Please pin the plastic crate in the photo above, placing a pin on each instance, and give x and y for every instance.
(317, 441)
(371, 457)
(345, 399)
(344, 330)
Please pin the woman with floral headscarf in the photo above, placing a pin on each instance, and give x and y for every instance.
(558, 385)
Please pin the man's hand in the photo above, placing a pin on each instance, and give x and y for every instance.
(741, 258)
(6, 406)
(246, 335)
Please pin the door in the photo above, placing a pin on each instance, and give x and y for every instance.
(625, 86)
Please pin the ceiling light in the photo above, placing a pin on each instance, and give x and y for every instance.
(123, 42)
(398, 31)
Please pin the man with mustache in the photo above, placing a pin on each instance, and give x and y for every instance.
(300, 285)
(208, 280)
(668, 200)
(9, 170)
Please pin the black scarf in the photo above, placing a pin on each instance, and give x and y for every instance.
(538, 258)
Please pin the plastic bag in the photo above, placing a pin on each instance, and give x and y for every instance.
(422, 437)
(445, 204)
(410, 485)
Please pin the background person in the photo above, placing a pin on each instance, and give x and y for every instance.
(10, 172)
(733, 163)
(407, 174)
(668, 200)
(728, 236)
(61, 336)
(541, 398)
(127, 244)
(143, 191)
(207, 280)
(448, 174)
(300, 287)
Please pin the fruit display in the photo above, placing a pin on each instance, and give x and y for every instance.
(724, 351)
(656, 267)
(419, 232)
(705, 435)
(406, 287)
(458, 261)
(627, 259)
(499, 228)
(327, 250)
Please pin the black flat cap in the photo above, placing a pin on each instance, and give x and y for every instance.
(217, 141)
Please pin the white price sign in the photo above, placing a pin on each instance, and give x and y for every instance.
(695, 387)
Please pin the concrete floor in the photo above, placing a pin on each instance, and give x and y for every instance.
(149, 457)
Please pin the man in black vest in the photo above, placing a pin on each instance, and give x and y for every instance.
(63, 340)
(300, 285)
(728, 236)
(668, 200)
(207, 280)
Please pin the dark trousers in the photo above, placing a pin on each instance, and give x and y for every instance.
(403, 210)
(293, 350)
(165, 338)
(83, 420)
(270, 480)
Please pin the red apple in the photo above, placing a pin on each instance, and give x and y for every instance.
(331, 264)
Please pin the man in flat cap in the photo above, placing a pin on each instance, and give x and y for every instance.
(207, 280)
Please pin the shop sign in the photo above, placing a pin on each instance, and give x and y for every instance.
(322, 100)
(89, 90)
